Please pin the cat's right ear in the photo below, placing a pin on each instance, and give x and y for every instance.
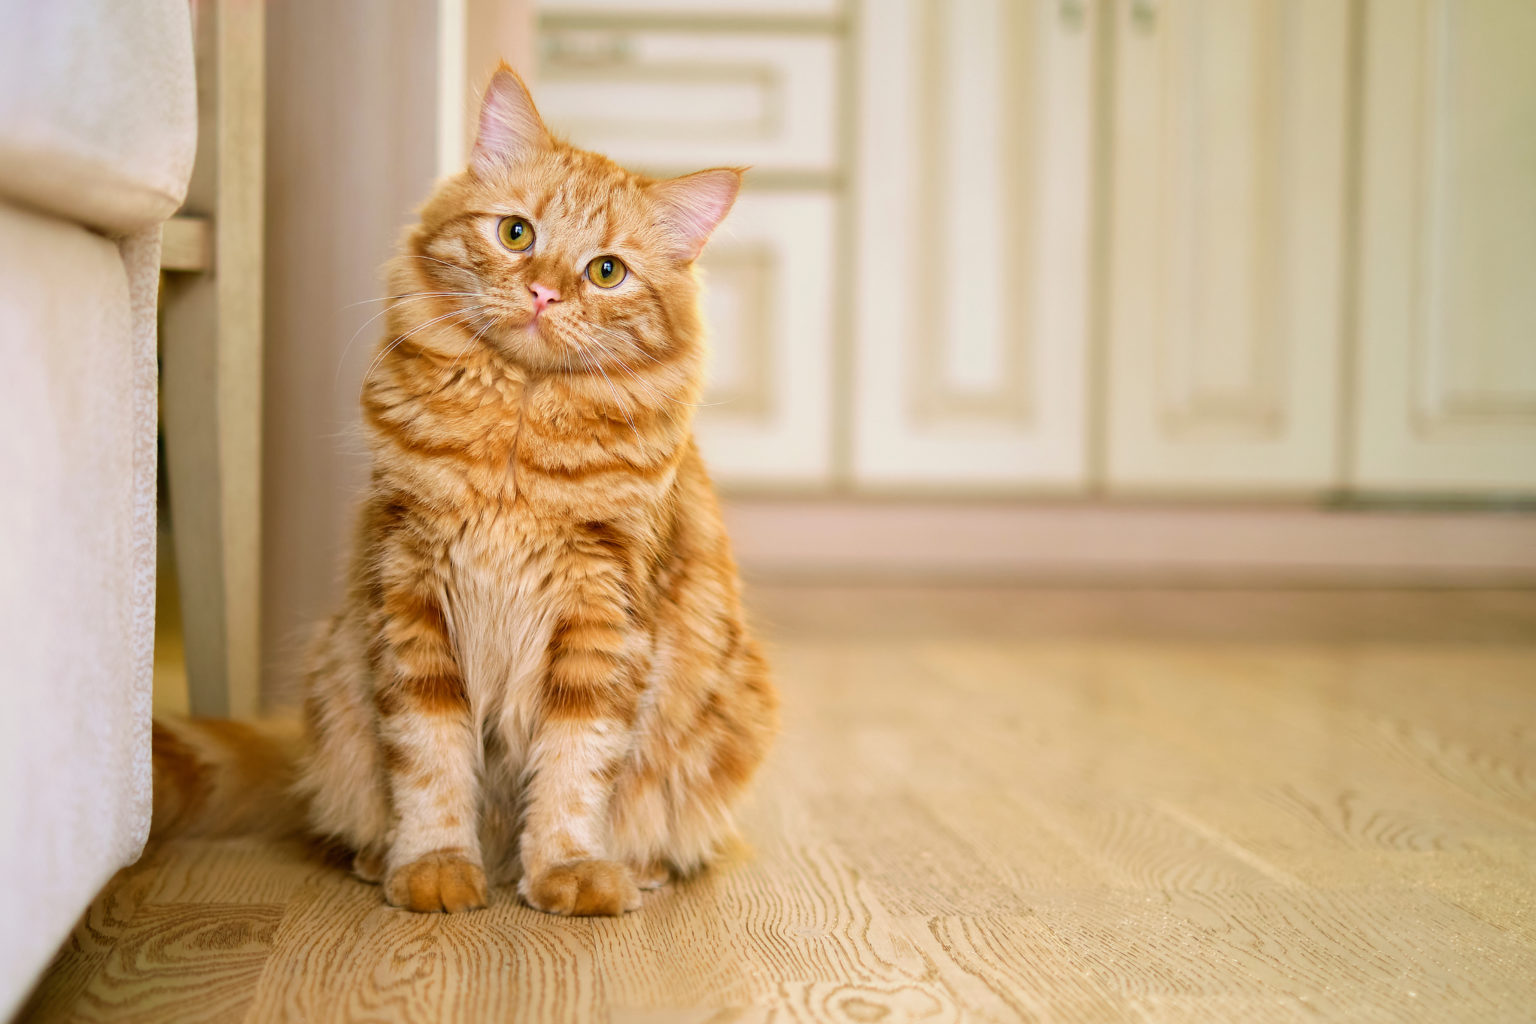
(510, 127)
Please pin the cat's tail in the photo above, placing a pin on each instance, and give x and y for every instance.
(215, 777)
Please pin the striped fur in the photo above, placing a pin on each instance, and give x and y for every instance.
(219, 778)
(542, 671)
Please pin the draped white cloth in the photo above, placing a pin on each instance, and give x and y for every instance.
(98, 130)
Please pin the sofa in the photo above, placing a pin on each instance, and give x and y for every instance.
(98, 126)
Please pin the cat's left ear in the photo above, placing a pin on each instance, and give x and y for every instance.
(510, 126)
(694, 205)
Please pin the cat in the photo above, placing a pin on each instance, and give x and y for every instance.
(542, 671)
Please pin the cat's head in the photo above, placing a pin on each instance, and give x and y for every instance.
(563, 259)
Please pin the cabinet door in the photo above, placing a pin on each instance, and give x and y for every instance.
(673, 100)
(971, 249)
(712, 9)
(1224, 298)
(1447, 313)
(766, 419)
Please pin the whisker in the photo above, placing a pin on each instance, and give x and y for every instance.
(489, 323)
(640, 381)
(434, 259)
(616, 400)
(348, 346)
(420, 327)
(402, 295)
(649, 387)
(624, 336)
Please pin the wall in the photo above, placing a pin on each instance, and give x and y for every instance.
(351, 114)
(355, 103)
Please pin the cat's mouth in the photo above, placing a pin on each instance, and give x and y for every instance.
(541, 330)
(518, 323)
(533, 340)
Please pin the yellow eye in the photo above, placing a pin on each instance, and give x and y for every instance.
(606, 271)
(515, 233)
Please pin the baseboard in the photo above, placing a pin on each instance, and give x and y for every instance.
(850, 539)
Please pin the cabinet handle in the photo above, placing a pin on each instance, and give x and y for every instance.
(1073, 13)
(1144, 15)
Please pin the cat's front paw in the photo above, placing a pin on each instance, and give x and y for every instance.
(446, 881)
(582, 888)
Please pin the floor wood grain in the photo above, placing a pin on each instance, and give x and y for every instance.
(987, 806)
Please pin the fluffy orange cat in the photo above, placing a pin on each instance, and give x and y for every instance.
(542, 671)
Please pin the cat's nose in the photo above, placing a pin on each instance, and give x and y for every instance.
(542, 296)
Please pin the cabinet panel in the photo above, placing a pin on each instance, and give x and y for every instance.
(1224, 299)
(695, 8)
(1448, 248)
(972, 240)
(672, 100)
(768, 301)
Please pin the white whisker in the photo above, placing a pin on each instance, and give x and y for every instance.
(420, 327)
(489, 323)
(434, 259)
(640, 381)
(402, 295)
(348, 346)
(649, 387)
(615, 391)
(626, 337)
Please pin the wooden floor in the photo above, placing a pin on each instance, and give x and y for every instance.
(987, 806)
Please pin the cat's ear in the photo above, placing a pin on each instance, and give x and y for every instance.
(510, 126)
(691, 207)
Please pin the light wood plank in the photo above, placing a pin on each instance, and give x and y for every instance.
(184, 962)
(987, 805)
(93, 939)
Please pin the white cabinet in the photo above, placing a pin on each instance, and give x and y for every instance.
(970, 265)
(1224, 297)
(673, 100)
(1447, 305)
(768, 276)
(703, 9)
(1180, 247)
(669, 88)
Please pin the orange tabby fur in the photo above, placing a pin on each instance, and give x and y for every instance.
(542, 670)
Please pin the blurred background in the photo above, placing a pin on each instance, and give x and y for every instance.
(1125, 412)
(1106, 293)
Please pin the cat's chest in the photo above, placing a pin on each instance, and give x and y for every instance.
(515, 454)
(501, 576)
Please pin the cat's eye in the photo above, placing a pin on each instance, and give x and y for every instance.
(515, 233)
(606, 271)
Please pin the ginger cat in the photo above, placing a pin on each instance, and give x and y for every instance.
(542, 670)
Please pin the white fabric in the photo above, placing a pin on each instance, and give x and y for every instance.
(140, 253)
(98, 127)
(76, 605)
(98, 109)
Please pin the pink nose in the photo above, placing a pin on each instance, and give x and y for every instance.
(542, 297)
